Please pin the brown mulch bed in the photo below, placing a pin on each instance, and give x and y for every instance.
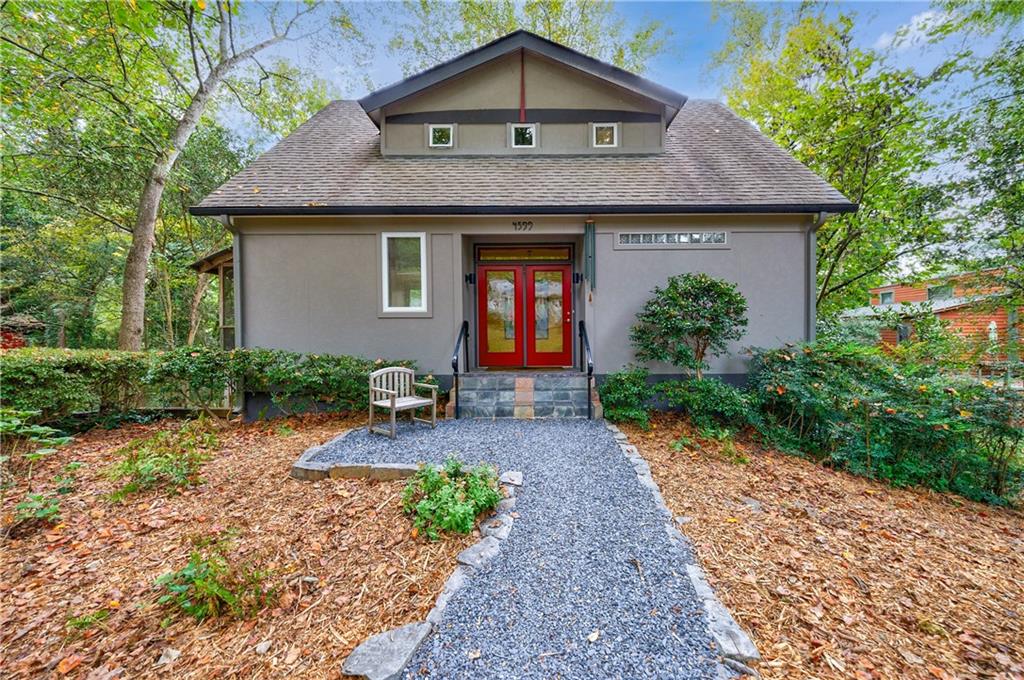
(839, 576)
(339, 554)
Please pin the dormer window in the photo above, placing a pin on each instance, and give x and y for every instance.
(441, 136)
(605, 135)
(524, 135)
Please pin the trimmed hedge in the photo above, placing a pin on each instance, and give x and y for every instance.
(58, 382)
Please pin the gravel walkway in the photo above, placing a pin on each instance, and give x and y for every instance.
(589, 552)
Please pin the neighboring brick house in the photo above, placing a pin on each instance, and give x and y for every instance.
(970, 303)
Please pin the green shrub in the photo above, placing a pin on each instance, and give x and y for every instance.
(59, 383)
(624, 396)
(908, 423)
(692, 317)
(167, 459)
(710, 402)
(450, 498)
(212, 585)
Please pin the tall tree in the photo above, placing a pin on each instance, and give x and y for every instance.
(853, 118)
(433, 31)
(143, 75)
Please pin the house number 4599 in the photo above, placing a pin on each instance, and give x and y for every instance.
(522, 226)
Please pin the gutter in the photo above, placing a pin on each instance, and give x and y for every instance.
(821, 209)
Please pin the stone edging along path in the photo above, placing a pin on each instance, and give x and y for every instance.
(385, 655)
(735, 646)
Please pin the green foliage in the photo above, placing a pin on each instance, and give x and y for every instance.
(450, 498)
(87, 621)
(434, 31)
(710, 403)
(860, 118)
(213, 585)
(165, 460)
(624, 396)
(860, 410)
(694, 315)
(43, 507)
(24, 442)
(58, 382)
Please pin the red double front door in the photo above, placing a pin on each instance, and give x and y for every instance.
(524, 315)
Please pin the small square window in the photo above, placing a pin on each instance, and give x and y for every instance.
(442, 136)
(659, 238)
(606, 134)
(634, 238)
(623, 239)
(885, 298)
(670, 237)
(943, 292)
(524, 136)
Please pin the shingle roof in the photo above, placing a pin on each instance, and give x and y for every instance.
(915, 308)
(713, 162)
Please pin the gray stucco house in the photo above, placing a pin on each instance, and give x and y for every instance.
(521, 188)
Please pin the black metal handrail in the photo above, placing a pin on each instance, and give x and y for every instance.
(586, 361)
(461, 341)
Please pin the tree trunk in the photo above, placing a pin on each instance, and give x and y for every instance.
(193, 311)
(133, 298)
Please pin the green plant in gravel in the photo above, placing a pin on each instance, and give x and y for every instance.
(710, 403)
(693, 317)
(169, 459)
(624, 396)
(449, 498)
(213, 584)
(908, 423)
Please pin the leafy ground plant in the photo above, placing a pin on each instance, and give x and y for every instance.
(41, 507)
(624, 395)
(449, 498)
(23, 443)
(212, 585)
(168, 459)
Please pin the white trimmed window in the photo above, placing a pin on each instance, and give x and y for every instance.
(523, 135)
(404, 271)
(885, 297)
(604, 135)
(441, 136)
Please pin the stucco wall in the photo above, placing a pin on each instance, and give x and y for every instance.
(313, 284)
(496, 86)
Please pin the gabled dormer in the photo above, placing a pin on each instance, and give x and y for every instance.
(522, 95)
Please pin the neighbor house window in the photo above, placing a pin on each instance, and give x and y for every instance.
(943, 292)
(605, 134)
(671, 238)
(885, 298)
(441, 136)
(404, 267)
(524, 135)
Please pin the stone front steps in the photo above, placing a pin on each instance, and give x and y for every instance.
(518, 395)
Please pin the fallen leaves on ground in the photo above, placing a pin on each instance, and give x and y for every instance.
(837, 576)
(341, 556)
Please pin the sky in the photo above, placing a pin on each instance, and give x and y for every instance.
(695, 37)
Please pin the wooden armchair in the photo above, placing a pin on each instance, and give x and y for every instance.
(394, 388)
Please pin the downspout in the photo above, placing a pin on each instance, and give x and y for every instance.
(811, 276)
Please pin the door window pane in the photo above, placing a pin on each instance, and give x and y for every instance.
(501, 311)
(547, 302)
(404, 275)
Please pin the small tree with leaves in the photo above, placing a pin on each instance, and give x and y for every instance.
(694, 315)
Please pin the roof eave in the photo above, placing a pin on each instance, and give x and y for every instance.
(744, 208)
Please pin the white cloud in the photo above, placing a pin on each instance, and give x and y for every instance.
(912, 33)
